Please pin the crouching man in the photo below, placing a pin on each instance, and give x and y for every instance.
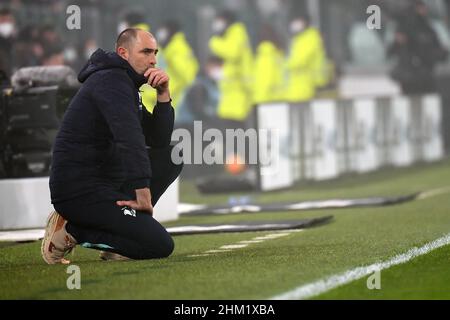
(111, 158)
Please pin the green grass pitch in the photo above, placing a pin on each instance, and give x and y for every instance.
(356, 237)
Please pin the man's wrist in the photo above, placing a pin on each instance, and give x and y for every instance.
(163, 96)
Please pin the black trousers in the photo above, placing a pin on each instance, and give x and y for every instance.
(104, 225)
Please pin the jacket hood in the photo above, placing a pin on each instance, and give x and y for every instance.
(102, 60)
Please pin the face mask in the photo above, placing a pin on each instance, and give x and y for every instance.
(70, 54)
(6, 29)
(122, 26)
(216, 74)
(162, 35)
(297, 26)
(218, 25)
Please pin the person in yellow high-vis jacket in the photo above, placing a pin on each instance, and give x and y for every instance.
(306, 66)
(268, 72)
(182, 65)
(231, 43)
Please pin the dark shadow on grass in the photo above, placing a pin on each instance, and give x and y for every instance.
(9, 244)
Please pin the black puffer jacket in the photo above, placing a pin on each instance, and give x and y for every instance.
(101, 145)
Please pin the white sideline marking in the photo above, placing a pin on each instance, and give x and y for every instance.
(199, 255)
(276, 235)
(315, 288)
(250, 241)
(245, 243)
(186, 207)
(217, 251)
(262, 238)
(234, 246)
(433, 193)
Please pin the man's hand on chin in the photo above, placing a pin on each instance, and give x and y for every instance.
(159, 80)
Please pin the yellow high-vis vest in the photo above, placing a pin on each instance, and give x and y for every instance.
(306, 66)
(236, 85)
(268, 77)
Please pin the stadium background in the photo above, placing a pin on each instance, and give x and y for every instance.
(356, 237)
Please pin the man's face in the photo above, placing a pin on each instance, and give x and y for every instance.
(142, 53)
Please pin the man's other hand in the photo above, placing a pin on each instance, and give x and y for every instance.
(143, 201)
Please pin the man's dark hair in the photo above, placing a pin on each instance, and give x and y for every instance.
(126, 38)
(229, 16)
(303, 16)
(5, 12)
(172, 26)
(53, 49)
(134, 17)
(214, 60)
(48, 28)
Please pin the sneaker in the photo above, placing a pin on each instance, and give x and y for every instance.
(111, 256)
(57, 241)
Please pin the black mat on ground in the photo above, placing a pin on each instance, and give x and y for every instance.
(247, 226)
(299, 206)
